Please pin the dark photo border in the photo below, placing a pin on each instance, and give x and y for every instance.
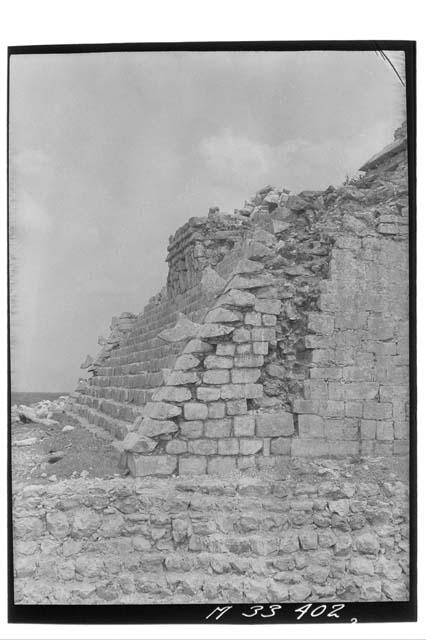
(262, 613)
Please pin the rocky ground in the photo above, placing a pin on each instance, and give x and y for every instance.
(52, 449)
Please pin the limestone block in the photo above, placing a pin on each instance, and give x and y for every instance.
(368, 429)
(401, 447)
(244, 347)
(253, 318)
(235, 298)
(172, 394)
(269, 320)
(241, 335)
(138, 443)
(181, 378)
(235, 391)
(216, 410)
(186, 361)
(221, 465)
(218, 362)
(236, 407)
(195, 411)
(183, 329)
(208, 394)
(140, 465)
(311, 426)
(367, 543)
(216, 376)
(85, 523)
(249, 446)
(244, 425)
(161, 410)
(248, 360)
(263, 334)
(225, 349)
(198, 346)
(243, 376)
(260, 348)
(203, 447)
(321, 323)
(219, 314)
(220, 428)
(248, 266)
(57, 524)
(242, 282)
(373, 410)
(211, 281)
(268, 306)
(275, 424)
(176, 446)
(384, 430)
(213, 330)
(402, 430)
(191, 429)
(281, 446)
(152, 428)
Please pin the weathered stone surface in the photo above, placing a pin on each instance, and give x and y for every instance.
(195, 411)
(211, 281)
(214, 330)
(236, 298)
(85, 523)
(241, 282)
(57, 524)
(311, 426)
(216, 376)
(152, 428)
(218, 362)
(219, 314)
(161, 410)
(197, 346)
(183, 329)
(186, 361)
(275, 424)
(208, 394)
(152, 465)
(244, 425)
(221, 465)
(139, 443)
(250, 446)
(180, 378)
(171, 394)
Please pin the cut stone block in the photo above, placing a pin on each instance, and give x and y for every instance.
(183, 329)
(213, 330)
(219, 314)
(242, 376)
(281, 446)
(208, 394)
(138, 443)
(241, 282)
(176, 446)
(221, 465)
(237, 298)
(216, 376)
(244, 425)
(236, 407)
(275, 424)
(153, 428)
(195, 411)
(161, 410)
(217, 428)
(140, 465)
(250, 446)
(186, 361)
(198, 346)
(202, 447)
(192, 465)
(191, 429)
(218, 362)
(172, 394)
(181, 378)
(311, 426)
(248, 360)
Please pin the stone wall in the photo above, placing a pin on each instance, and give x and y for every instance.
(283, 331)
(314, 533)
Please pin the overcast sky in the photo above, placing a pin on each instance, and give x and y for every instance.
(110, 153)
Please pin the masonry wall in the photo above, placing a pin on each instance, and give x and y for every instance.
(293, 339)
(318, 536)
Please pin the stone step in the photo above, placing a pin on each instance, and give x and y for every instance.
(137, 397)
(117, 428)
(120, 410)
(136, 381)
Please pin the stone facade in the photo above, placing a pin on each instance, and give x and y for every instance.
(283, 331)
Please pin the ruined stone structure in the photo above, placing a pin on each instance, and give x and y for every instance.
(266, 388)
(283, 331)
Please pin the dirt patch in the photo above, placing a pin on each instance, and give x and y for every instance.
(71, 453)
